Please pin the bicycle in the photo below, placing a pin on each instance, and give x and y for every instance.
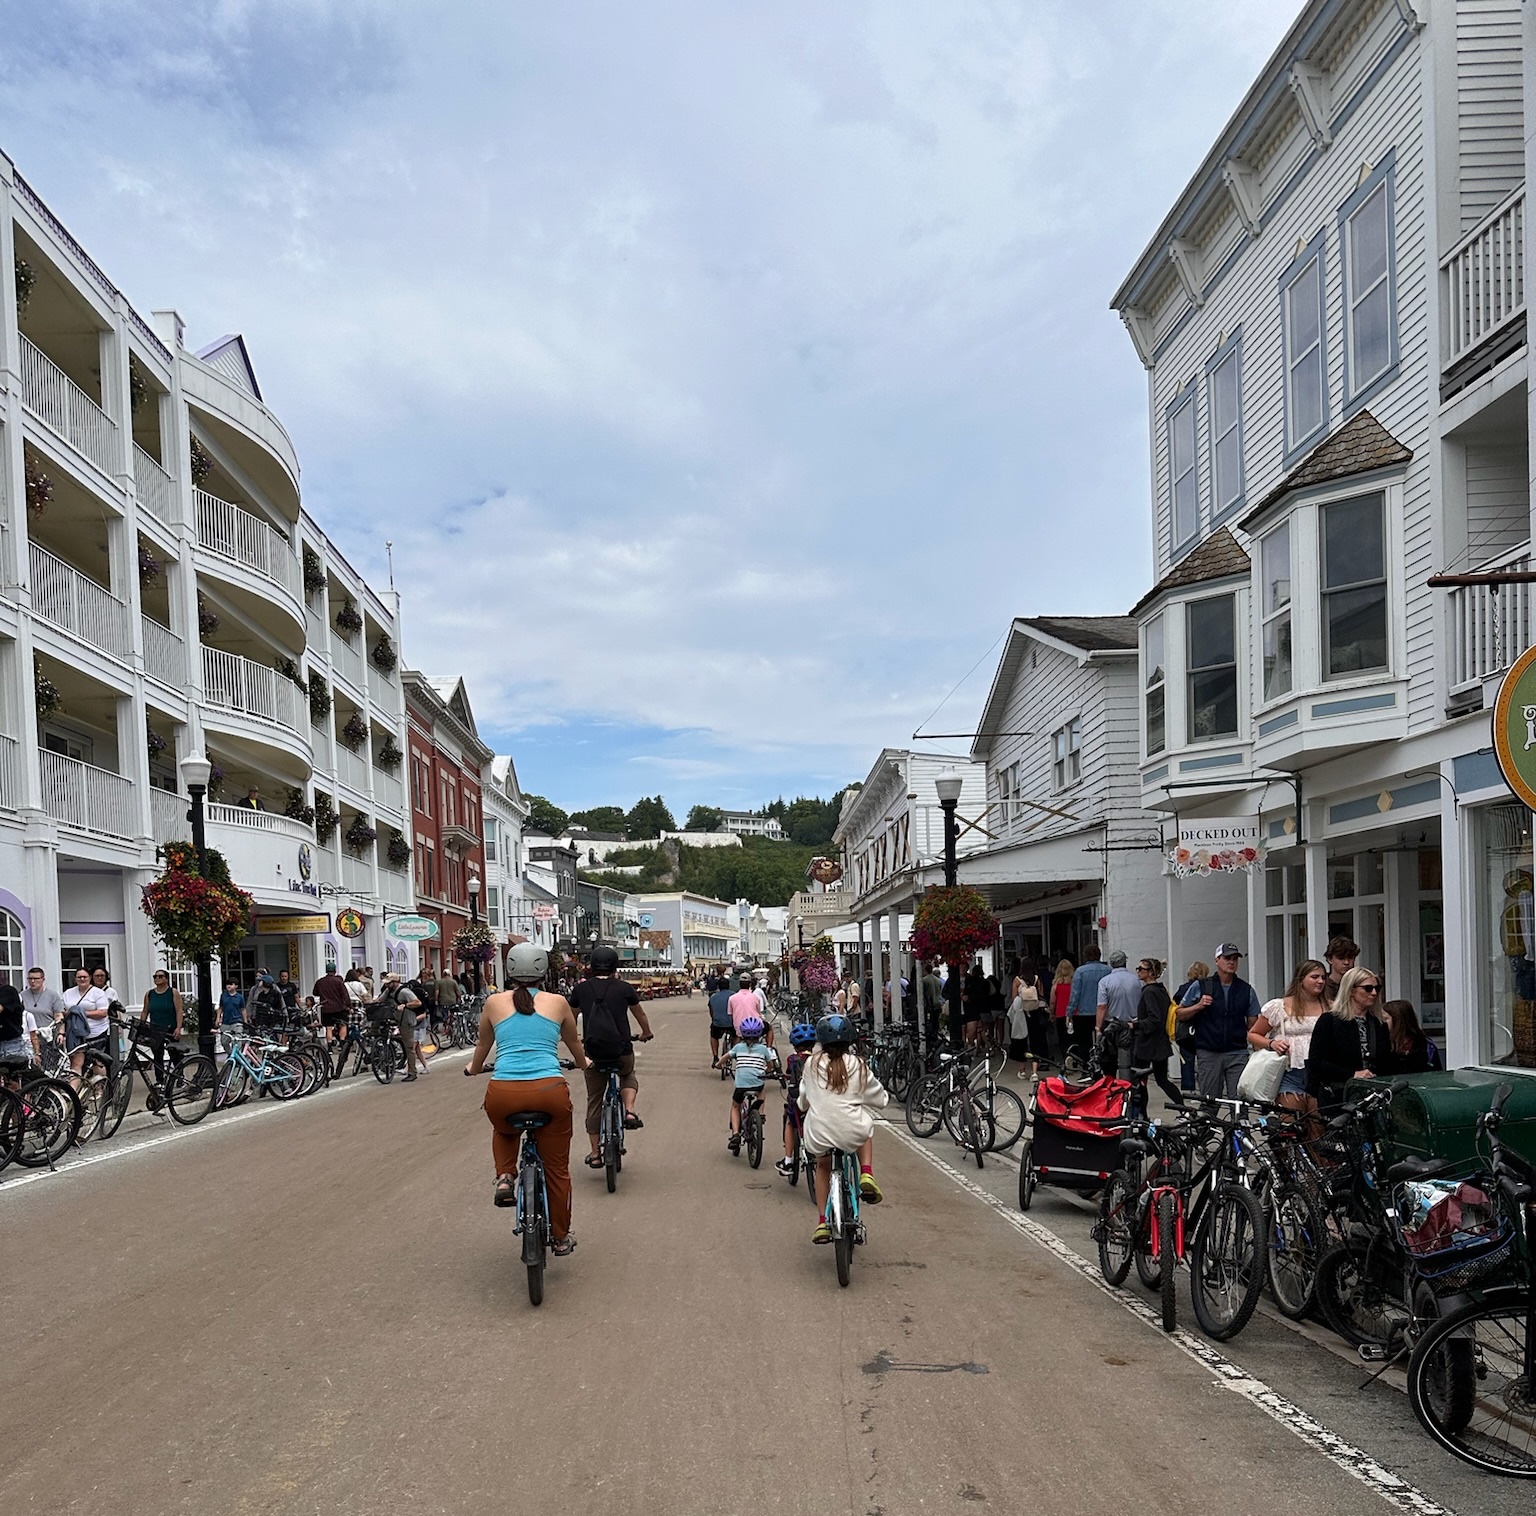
(750, 1133)
(842, 1212)
(275, 1069)
(370, 1046)
(42, 1115)
(610, 1125)
(532, 1195)
(186, 1090)
(948, 1098)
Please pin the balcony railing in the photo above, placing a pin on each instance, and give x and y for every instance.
(168, 816)
(58, 400)
(87, 798)
(64, 596)
(261, 821)
(347, 661)
(165, 655)
(356, 874)
(395, 887)
(1490, 627)
(234, 683)
(231, 532)
(351, 768)
(388, 791)
(314, 625)
(10, 773)
(1483, 278)
(153, 486)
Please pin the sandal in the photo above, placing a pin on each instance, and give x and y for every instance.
(563, 1247)
(506, 1190)
(594, 1160)
(632, 1123)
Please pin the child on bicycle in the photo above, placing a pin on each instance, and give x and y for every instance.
(750, 1059)
(802, 1038)
(839, 1095)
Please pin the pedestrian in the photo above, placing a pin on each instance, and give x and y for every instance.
(86, 1012)
(409, 1015)
(1082, 1003)
(252, 801)
(933, 1002)
(1286, 1026)
(1184, 1031)
(267, 1006)
(231, 1011)
(1151, 1047)
(1117, 1003)
(162, 1014)
(288, 990)
(41, 1001)
(1223, 1008)
(1413, 1052)
(14, 1042)
(1350, 1040)
(1027, 1022)
(974, 998)
(335, 1003)
(101, 980)
(1341, 955)
(1060, 996)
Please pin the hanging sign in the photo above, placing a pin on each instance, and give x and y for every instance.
(544, 912)
(287, 926)
(410, 928)
(349, 923)
(1218, 845)
(1514, 727)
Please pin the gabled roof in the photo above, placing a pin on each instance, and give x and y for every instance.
(229, 356)
(1361, 446)
(504, 772)
(445, 699)
(1218, 557)
(1093, 634)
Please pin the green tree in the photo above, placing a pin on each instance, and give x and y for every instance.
(545, 816)
(703, 818)
(647, 818)
(601, 818)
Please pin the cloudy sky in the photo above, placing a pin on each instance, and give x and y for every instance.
(725, 372)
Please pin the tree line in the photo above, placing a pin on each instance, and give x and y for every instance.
(808, 821)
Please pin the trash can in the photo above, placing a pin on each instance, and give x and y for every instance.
(1435, 1116)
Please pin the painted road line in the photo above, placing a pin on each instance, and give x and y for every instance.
(1355, 1461)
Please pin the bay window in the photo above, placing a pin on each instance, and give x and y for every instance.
(1153, 682)
(1275, 609)
(1354, 586)
(1211, 640)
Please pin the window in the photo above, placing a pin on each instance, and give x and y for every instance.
(1275, 603)
(1211, 637)
(1305, 395)
(1226, 429)
(1157, 735)
(1181, 468)
(490, 840)
(493, 906)
(13, 967)
(426, 875)
(1371, 327)
(1354, 587)
(1008, 793)
(1067, 753)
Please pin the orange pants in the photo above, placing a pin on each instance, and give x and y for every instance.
(505, 1098)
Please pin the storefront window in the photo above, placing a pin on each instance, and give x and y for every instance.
(1504, 947)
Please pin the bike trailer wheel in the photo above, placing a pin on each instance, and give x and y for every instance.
(1027, 1177)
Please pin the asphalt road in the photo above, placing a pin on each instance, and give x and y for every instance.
(317, 1309)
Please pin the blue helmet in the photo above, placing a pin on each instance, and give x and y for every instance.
(802, 1035)
(834, 1028)
(751, 1026)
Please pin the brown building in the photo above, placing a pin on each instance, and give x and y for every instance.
(446, 758)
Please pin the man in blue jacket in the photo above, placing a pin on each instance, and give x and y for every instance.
(1083, 1000)
(1222, 1008)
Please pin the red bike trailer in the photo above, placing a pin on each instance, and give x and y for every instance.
(1074, 1138)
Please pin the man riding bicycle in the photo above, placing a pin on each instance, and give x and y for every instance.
(604, 1004)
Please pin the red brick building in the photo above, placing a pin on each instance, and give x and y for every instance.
(446, 759)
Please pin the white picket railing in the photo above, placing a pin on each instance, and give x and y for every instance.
(395, 887)
(64, 596)
(262, 821)
(168, 816)
(1483, 278)
(347, 661)
(237, 684)
(231, 532)
(82, 796)
(58, 400)
(1490, 627)
(352, 768)
(356, 873)
(388, 791)
(10, 772)
(165, 655)
(154, 487)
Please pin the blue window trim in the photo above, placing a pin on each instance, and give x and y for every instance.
(1383, 173)
(1233, 344)
(1317, 248)
(1187, 395)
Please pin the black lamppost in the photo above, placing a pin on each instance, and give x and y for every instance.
(474, 916)
(948, 786)
(195, 773)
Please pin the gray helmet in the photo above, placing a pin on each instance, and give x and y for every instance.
(527, 963)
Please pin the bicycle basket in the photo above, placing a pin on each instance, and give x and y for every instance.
(1453, 1230)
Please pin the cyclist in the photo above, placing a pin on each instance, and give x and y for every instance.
(802, 1038)
(838, 1093)
(525, 1027)
(605, 1003)
(750, 1060)
(748, 1002)
(720, 1023)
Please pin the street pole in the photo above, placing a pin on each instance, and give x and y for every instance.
(196, 771)
(948, 786)
(474, 917)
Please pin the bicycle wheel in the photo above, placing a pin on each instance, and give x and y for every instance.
(925, 1105)
(610, 1144)
(1117, 1212)
(755, 1138)
(50, 1122)
(967, 1121)
(1149, 1268)
(386, 1055)
(94, 1089)
(1168, 1257)
(119, 1096)
(12, 1122)
(1026, 1174)
(530, 1210)
(288, 1075)
(310, 1064)
(190, 1089)
(234, 1084)
(1353, 1299)
(842, 1226)
(792, 1142)
(1297, 1234)
(1007, 1120)
(1228, 1261)
(1471, 1387)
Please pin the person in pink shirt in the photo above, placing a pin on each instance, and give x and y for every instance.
(747, 1002)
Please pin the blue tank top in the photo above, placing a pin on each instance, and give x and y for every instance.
(525, 1048)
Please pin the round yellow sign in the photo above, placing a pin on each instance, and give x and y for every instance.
(349, 923)
(1514, 727)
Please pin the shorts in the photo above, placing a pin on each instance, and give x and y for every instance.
(597, 1086)
(737, 1096)
(1293, 1082)
(333, 1018)
(721, 1029)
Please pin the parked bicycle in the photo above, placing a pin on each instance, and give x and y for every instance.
(184, 1085)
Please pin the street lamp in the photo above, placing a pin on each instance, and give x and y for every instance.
(473, 884)
(949, 785)
(195, 773)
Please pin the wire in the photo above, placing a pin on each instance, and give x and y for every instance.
(971, 670)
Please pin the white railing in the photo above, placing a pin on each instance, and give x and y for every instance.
(388, 791)
(165, 655)
(55, 397)
(395, 887)
(326, 870)
(82, 796)
(261, 821)
(10, 772)
(351, 768)
(64, 596)
(153, 486)
(314, 624)
(1490, 627)
(1483, 278)
(229, 531)
(168, 816)
(356, 873)
(236, 684)
(382, 686)
(347, 661)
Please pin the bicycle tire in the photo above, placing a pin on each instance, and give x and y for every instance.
(755, 1138)
(11, 1124)
(1117, 1222)
(1007, 1130)
(191, 1089)
(1149, 1268)
(842, 1228)
(968, 1123)
(291, 1085)
(50, 1122)
(1353, 1303)
(119, 1097)
(1027, 1174)
(792, 1141)
(1467, 1379)
(1228, 1262)
(1297, 1236)
(925, 1105)
(610, 1139)
(386, 1055)
(311, 1061)
(531, 1210)
(1168, 1258)
(234, 1085)
(95, 1089)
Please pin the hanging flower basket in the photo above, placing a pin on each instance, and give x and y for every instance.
(348, 622)
(155, 743)
(326, 819)
(952, 924)
(199, 462)
(388, 755)
(314, 571)
(475, 943)
(383, 656)
(215, 782)
(296, 808)
(45, 692)
(319, 697)
(359, 836)
(355, 733)
(291, 672)
(39, 489)
(149, 566)
(26, 282)
(816, 965)
(193, 914)
(399, 850)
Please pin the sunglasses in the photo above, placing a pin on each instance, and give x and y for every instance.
(1370, 989)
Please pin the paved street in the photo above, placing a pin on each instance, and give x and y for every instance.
(316, 1309)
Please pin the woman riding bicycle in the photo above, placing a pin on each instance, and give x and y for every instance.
(526, 1028)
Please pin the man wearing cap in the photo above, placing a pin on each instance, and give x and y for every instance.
(252, 801)
(1119, 1001)
(1222, 1008)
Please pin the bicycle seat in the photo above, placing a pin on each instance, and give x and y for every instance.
(1413, 1167)
(526, 1121)
(14, 1065)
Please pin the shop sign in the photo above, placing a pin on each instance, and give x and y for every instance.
(1218, 845)
(1514, 727)
(410, 929)
(349, 923)
(543, 911)
(289, 926)
(306, 861)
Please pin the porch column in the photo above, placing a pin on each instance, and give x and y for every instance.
(918, 998)
(1317, 892)
(1257, 945)
(1456, 878)
(896, 1005)
(858, 957)
(876, 950)
(1400, 934)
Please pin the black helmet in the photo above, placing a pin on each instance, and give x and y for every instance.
(605, 960)
(834, 1029)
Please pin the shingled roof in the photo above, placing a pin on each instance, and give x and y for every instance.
(1093, 634)
(1218, 557)
(1361, 446)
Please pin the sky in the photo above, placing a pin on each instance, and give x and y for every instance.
(726, 375)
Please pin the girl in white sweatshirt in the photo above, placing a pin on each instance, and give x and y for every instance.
(839, 1095)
